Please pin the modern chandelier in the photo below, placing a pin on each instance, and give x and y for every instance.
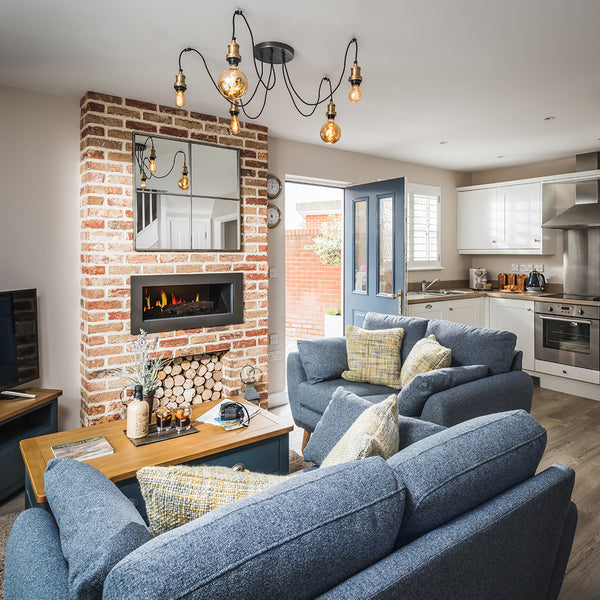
(232, 85)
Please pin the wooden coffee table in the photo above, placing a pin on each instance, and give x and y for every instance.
(262, 447)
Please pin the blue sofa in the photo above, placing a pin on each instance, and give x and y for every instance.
(458, 514)
(485, 375)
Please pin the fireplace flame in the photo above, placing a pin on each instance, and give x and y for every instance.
(163, 299)
(163, 302)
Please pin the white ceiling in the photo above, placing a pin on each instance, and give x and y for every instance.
(480, 75)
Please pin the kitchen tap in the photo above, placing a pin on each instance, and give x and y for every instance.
(425, 286)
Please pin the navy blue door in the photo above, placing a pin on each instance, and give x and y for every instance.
(373, 249)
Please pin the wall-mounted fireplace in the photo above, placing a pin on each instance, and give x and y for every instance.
(173, 302)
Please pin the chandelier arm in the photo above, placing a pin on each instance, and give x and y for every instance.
(260, 80)
(319, 100)
(267, 89)
(153, 175)
(314, 106)
(205, 66)
(243, 105)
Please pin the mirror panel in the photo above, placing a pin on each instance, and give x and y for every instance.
(213, 169)
(206, 216)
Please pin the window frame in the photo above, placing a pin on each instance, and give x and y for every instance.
(412, 190)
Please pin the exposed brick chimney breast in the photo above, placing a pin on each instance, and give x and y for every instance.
(108, 258)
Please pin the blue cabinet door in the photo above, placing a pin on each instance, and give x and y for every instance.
(374, 249)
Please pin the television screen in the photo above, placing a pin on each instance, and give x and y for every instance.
(19, 357)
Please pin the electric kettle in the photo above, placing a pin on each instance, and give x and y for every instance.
(536, 282)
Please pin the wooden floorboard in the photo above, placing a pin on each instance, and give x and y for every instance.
(573, 426)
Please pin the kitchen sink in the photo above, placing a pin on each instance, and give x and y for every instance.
(434, 293)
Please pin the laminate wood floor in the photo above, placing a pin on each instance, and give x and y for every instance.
(573, 426)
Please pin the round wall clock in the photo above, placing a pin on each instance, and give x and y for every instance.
(273, 187)
(273, 216)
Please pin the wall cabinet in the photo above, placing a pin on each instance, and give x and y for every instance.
(505, 219)
(468, 311)
(516, 316)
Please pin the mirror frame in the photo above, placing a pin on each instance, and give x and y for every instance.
(186, 194)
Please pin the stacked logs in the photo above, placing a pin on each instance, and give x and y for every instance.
(191, 379)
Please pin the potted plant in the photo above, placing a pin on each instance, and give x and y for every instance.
(145, 368)
(334, 324)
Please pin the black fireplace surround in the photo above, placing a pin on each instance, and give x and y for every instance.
(174, 302)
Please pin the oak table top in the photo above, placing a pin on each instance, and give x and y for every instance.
(12, 407)
(127, 458)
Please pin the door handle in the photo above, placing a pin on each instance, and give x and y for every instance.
(399, 296)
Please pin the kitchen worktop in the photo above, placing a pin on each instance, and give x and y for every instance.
(418, 298)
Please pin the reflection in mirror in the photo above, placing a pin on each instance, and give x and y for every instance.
(187, 195)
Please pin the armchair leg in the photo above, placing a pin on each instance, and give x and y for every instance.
(305, 438)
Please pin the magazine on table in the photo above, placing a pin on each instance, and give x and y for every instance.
(83, 449)
(212, 416)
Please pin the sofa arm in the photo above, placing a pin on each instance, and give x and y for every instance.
(497, 393)
(295, 376)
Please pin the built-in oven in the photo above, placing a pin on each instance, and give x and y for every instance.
(568, 334)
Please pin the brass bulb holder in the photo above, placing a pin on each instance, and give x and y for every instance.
(331, 110)
(152, 154)
(355, 78)
(233, 109)
(179, 84)
(143, 183)
(184, 182)
(233, 53)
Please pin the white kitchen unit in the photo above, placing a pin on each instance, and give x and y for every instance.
(468, 311)
(517, 316)
(505, 219)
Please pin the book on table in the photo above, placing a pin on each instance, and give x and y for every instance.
(83, 449)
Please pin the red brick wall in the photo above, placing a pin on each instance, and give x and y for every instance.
(108, 258)
(312, 288)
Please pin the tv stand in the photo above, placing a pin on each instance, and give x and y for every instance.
(22, 418)
(12, 394)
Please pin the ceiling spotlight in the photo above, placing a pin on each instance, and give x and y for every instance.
(501, 156)
(550, 118)
(233, 84)
(443, 142)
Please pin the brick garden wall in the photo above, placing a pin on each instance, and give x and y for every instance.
(312, 288)
(108, 258)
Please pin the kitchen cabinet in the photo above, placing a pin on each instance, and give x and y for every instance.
(468, 311)
(505, 219)
(516, 316)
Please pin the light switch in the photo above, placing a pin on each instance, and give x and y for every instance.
(514, 268)
(273, 273)
(274, 339)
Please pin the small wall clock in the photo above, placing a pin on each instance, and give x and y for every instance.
(273, 187)
(273, 216)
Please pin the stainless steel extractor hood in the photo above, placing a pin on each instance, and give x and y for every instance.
(585, 214)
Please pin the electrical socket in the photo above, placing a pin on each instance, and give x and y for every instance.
(526, 268)
(276, 355)
(539, 268)
(514, 268)
(274, 339)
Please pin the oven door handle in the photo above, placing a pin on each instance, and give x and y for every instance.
(569, 319)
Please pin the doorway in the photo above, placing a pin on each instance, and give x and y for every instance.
(313, 261)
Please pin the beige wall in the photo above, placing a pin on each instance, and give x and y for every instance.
(289, 159)
(39, 228)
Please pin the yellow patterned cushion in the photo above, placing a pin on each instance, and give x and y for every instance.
(426, 355)
(176, 495)
(374, 355)
(374, 433)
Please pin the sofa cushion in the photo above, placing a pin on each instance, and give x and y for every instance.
(35, 568)
(297, 539)
(317, 397)
(98, 525)
(344, 408)
(177, 495)
(411, 430)
(414, 328)
(374, 433)
(374, 356)
(453, 471)
(413, 397)
(426, 355)
(323, 359)
(475, 345)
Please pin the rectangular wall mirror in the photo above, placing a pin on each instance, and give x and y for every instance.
(187, 195)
